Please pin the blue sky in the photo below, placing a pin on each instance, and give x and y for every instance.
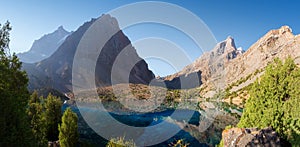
(245, 21)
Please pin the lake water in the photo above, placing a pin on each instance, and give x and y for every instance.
(198, 127)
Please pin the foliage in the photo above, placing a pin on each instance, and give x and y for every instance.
(221, 144)
(228, 127)
(53, 116)
(68, 130)
(274, 101)
(44, 117)
(179, 143)
(37, 121)
(120, 142)
(14, 96)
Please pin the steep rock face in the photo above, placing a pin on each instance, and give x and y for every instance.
(56, 71)
(45, 46)
(211, 64)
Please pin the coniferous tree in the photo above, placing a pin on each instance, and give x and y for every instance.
(14, 96)
(53, 115)
(37, 119)
(68, 130)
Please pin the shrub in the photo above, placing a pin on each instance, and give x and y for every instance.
(274, 101)
(120, 142)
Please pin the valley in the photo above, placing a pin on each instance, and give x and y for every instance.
(226, 75)
(56, 94)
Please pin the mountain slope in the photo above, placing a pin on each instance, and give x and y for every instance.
(45, 46)
(56, 71)
(211, 64)
(230, 70)
(276, 43)
(244, 70)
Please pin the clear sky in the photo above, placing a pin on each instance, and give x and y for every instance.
(245, 20)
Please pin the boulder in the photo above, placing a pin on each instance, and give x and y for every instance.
(250, 137)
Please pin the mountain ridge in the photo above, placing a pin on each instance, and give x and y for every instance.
(233, 70)
(56, 71)
(45, 46)
(224, 68)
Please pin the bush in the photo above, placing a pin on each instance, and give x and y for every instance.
(120, 142)
(274, 101)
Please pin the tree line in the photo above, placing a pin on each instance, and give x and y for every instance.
(29, 120)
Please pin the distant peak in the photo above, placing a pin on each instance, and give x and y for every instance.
(229, 42)
(61, 29)
(111, 20)
(229, 38)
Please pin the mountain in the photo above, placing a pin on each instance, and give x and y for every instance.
(209, 66)
(231, 70)
(45, 46)
(244, 70)
(56, 71)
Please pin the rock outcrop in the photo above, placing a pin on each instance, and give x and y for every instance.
(45, 46)
(56, 71)
(250, 137)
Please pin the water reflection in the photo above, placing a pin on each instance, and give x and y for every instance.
(189, 129)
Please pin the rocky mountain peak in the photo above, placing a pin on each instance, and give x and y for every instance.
(226, 47)
(111, 21)
(210, 64)
(230, 41)
(44, 46)
(61, 29)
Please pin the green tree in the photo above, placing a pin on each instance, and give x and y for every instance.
(15, 129)
(34, 98)
(274, 101)
(52, 115)
(68, 130)
(37, 119)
